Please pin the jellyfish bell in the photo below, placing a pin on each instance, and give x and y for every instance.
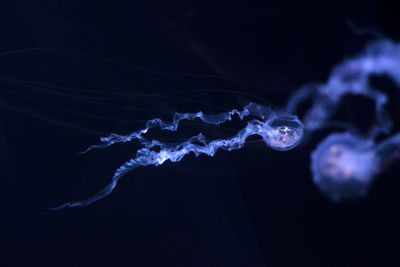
(284, 133)
(343, 166)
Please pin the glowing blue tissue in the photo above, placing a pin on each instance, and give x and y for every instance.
(344, 165)
(351, 77)
(278, 130)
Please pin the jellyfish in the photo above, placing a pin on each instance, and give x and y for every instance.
(279, 131)
(379, 58)
(343, 165)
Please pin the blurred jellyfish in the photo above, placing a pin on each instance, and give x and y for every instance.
(351, 77)
(344, 165)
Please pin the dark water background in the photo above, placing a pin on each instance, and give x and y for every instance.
(251, 207)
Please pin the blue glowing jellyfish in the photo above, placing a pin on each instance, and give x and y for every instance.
(344, 165)
(278, 130)
(351, 77)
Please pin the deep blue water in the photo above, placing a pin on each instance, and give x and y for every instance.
(250, 207)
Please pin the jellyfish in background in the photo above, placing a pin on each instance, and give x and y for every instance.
(352, 77)
(344, 165)
(278, 130)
